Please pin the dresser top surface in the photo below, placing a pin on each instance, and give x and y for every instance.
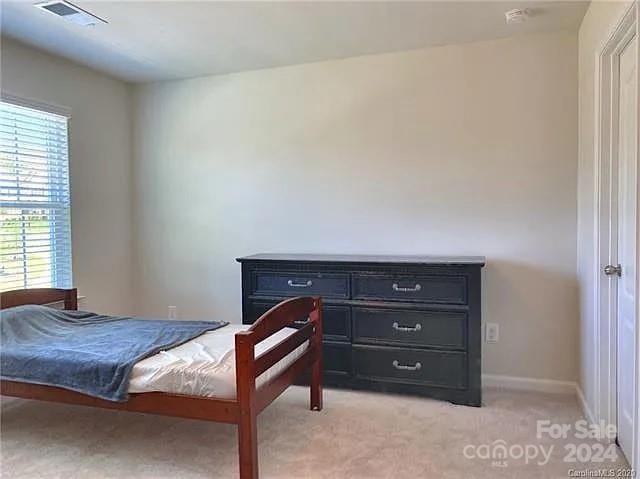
(360, 258)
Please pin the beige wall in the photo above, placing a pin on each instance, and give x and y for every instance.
(598, 24)
(468, 149)
(100, 166)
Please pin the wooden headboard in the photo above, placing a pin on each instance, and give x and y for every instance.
(18, 297)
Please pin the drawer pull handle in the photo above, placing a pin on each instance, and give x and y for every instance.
(293, 284)
(301, 321)
(407, 329)
(404, 367)
(397, 287)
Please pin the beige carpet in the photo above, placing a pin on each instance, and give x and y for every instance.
(358, 435)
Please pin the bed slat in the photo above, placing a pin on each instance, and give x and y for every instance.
(267, 393)
(284, 347)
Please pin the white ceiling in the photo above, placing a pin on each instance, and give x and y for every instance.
(160, 40)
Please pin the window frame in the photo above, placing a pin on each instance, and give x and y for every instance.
(59, 278)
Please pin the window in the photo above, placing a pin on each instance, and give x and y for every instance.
(35, 204)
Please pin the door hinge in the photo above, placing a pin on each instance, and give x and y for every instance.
(611, 270)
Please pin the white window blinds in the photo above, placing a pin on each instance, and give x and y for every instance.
(35, 204)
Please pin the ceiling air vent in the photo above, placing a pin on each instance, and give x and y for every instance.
(70, 12)
(517, 15)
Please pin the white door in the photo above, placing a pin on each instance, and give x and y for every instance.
(627, 234)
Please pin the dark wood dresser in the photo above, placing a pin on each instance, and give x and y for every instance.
(408, 324)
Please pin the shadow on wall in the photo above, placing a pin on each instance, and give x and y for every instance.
(537, 311)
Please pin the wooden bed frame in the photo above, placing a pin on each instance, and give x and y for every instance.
(249, 402)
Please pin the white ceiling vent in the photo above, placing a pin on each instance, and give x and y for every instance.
(517, 15)
(70, 12)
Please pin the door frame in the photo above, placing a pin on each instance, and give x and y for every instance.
(605, 232)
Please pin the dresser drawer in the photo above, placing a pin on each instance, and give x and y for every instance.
(411, 366)
(431, 289)
(422, 328)
(329, 285)
(337, 359)
(336, 320)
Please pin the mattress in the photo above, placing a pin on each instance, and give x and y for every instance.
(206, 366)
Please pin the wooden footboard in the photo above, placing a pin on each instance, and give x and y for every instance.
(249, 402)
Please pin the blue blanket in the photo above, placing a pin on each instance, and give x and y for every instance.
(84, 352)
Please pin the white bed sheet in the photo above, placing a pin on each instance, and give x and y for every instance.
(206, 365)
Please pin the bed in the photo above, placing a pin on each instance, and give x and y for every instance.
(265, 359)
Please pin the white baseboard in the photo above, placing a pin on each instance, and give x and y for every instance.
(529, 384)
(586, 410)
(540, 385)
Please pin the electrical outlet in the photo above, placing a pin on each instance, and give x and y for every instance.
(492, 332)
(173, 314)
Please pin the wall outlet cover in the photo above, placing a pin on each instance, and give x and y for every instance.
(492, 332)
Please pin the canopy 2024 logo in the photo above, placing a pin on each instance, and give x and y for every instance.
(594, 444)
